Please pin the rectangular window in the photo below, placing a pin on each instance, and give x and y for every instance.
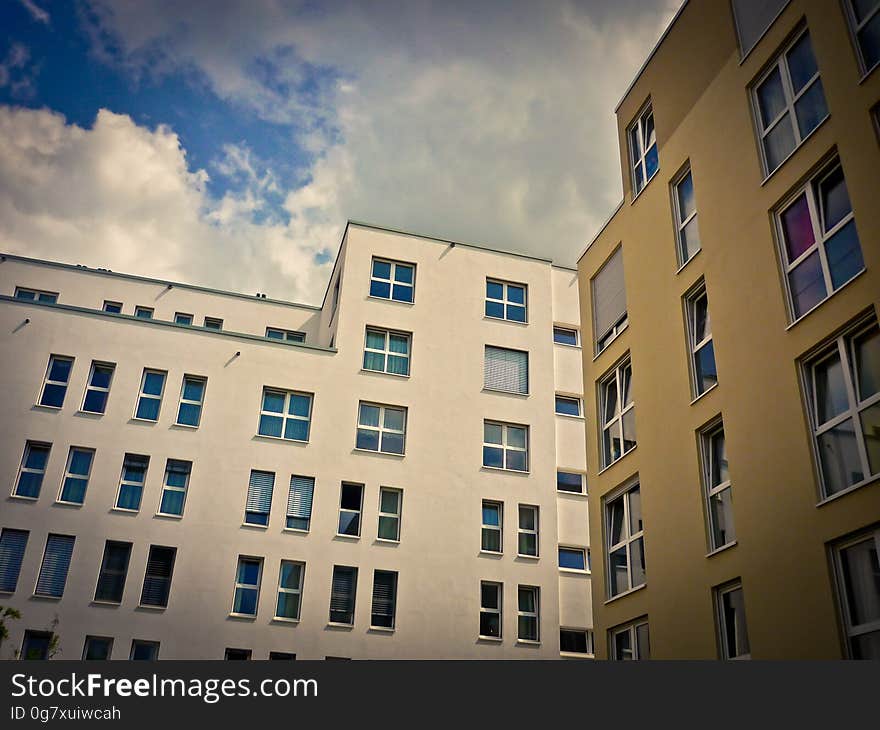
(157, 578)
(864, 21)
(819, 244)
(114, 569)
(719, 494)
(384, 606)
(76, 475)
(174, 490)
(506, 300)
(12, 546)
(572, 558)
(247, 586)
(55, 565)
(36, 645)
(568, 406)
(625, 542)
(212, 323)
(528, 613)
(285, 414)
(274, 333)
(98, 387)
(112, 307)
(843, 391)
(56, 380)
(389, 513)
(290, 583)
(281, 656)
(789, 102)
(386, 351)
(493, 526)
(33, 469)
(490, 609)
(505, 446)
(183, 318)
(144, 650)
(335, 304)
(575, 641)
(858, 567)
(527, 542)
(34, 295)
(704, 373)
(731, 617)
(131, 483)
(753, 18)
(684, 207)
(569, 481)
(143, 312)
(643, 149)
(506, 370)
(565, 336)
(381, 428)
(342, 595)
(299, 503)
(618, 415)
(630, 642)
(150, 395)
(237, 654)
(259, 498)
(609, 301)
(192, 395)
(393, 280)
(351, 498)
(97, 648)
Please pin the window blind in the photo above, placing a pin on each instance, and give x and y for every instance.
(56, 563)
(259, 498)
(12, 547)
(384, 590)
(114, 568)
(507, 370)
(157, 580)
(299, 501)
(609, 294)
(342, 594)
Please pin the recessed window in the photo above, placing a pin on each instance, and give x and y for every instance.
(684, 207)
(98, 387)
(575, 641)
(247, 586)
(704, 372)
(33, 469)
(290, 583)
(192, 394)
(528, 620)
(342, 594)
(299, 503)
(12, 546)
(789, 102)
(237, 654)
(819, 244)
(381, 428)
(175, 486)
(630, 642)
(625, 542)
(505, 446)
(55, 565)
(609, 301)
(565, 336)
(56, 380)
(384, 608)
(281, 656)
(570, 481)
(150, 397)
(390, 501)
(212, 323)
(571, 558)
(144, 650)
(393, 280)
(131, 483)
(285, 414)
(568, 406)
(857, 567)
(143, 312)
(506, 300)
(183, 318)
(114, 569)
(618, 415)
(97, 648)
(506, 370)
(490, 609)
(493, 523)
(36, 645)
(351, 500)
(34, 295)
(864, 21)
(386, 351)
(112, 307)
(643, 149)
(719, 494)
(731, 616)
(527, 534)
(274, 333)
(259, 497)
(76, 475)
(157, 579)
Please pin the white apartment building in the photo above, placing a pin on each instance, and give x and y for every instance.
(197, 474)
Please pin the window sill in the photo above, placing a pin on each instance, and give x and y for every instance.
(381, 630)
(384, 372)
(721, 549)
(506, 471)
(254, 527)
(616, 461)
(165, 516)
(41, 407)
(565, 344)
(491, 639)
(534, 558)
(582, 495)
(280, 438)
(576, 655)
(626, 593)
(608, 344)
(487, 318)
(684, 265)
(63, 503)
(378, 453)
(187, 426)
(505, 392)
(283, 620)
(124, 511)
(295, 530)
(38, 597)
(492, 553)
(242, 616)
(575, 571)
(339, 627)
(112, 604)
(849, 490)
(790, 154)
(390, 300)
(568, 415)
(353, 538)
(135, 419)
(24, 498)
(387, 541)
(144, 607)
(528, 642)
(703, 394)
(829, 297)
(81, 412)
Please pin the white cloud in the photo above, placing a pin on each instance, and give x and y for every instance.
(36, 12)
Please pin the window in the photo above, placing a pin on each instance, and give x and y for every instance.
(505, 446)
(144, 650)
(704, 373)
(527, 543)
(789, 102)
(46, 297)
(384, 607)
(618, 415)
(643, 149)
(212, 323)
(818, 240)
(389, 513)
(351, 499)
(505, 300)
(299, 503)
(731, 616)
(143, 312)
(55, 565)
(719, 494)
(76, 475)
(575, 641)
(684, 208)
(183, 318)
(281, 656)
(112, 307)
(36, 645)
(506, 370)
(259, 498)
(33, 469)
(55, 383)
(386, 351)
(285, 414)
(843, 389)
(237, 654)
(393, 280)
(565, 336)
(12, 546)
(753, 18)
(97, 648)
(274, 333)
(247, 586)
(174, 490)
(631, 642)
(857, 568)
(131, 483)
(157, 578)
(864, 19)
(527, 615)
(609, 301)
(572, 558)
(114, 569)
(150, 396)
(493, 525)
(192, 394)
(98, 387)
(290, 583)
(342, 595)
(381, 428)
(335, 304)
(490, 610)
(569, 481)
(625, 542)
(567, 406)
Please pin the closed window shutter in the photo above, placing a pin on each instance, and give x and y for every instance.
(56, 563)
(299, 502)
(384, 585)
(609, 294)
(12, 546)
(259, 497)
(342, 591)
(157, 581)
(506, 370)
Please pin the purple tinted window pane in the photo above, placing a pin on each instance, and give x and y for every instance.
(797, 228)
(807, 285)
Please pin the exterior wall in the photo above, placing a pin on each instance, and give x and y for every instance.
(699, 90)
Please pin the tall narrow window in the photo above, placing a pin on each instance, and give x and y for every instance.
(506, 370)
(630, 642)
(247, 586)
(351, 498)
(98, 388)
(174, 490)
(299, 503)
(684, 206)
(490, 609)
(506, 300)
(493, 523)
(393, 280)
(157, 578)
(290, 583)
(609, 301)
(76, 475)
(56, 380)
(625, 542)
(505, 446)
(114, 569)
(857, 566)
(384, 608)
(381, 428)
(864, 19)
(259, 497)
(643, 149)
(33, 469)
(389, 513)
(386, 351)
(732, 632)
(342, 595)
(12, 546)
(192, 394)
(704, 373)
(719, 494)
(143, 312)
(618, 416)
(150, 396)
(527, 543)
(285, 414)
(56, 563)
(131, 483)
(528, 614)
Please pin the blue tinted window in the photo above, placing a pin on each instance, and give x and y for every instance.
(572, 559)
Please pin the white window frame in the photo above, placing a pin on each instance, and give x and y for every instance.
(499, 590)
(138, 309)
(499, 528)
(68, 473)
(505, 300)
(573, 399)
(381, 429)
(97, 388)
(536, 531)
(583, 490)
(628, 539)
(123, 482)
(575, 548)
(720, 592)
(148, 396)
(91, 637)
(682, 222)
(536, 614)
(31, 470)
(185, 316)
(386, 352)
(708, 436)
(855, 28)
(286, 335)
(567, 328)
(579, 630)
(396, 516)
(247, 586)
(635, 647)
(691, 301)
(505, 445)
(171, 488)
(213, 323)
(297, 591)
(104, 571)
(393, 263)
(359, 511)
(112, 304)
(37, 294)
(393, 626)
(285, 414)
(639, 161)
(617, 375)
(188, 401)
(60, 383)
(851, 631)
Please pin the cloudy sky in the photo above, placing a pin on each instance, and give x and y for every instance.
(226, 143)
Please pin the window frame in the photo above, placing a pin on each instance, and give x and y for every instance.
(47, 381)
(632, 628)
(166, 487)
(521, 614)
(486, 527)
(505, 446)
(237, 585)
(141, 312)
(72, 475)
(249, 519)
(359, 512)
(97, 388)
(498, 586)
(621, 409)
(588, 641)
(374, 626)
(505, 301)
(169, 578)
(381, 429)
(691, 301)
(574, 548)
(291, 494)
(286, 335)
(44, 566)
(112, 304)
(141, 395)
(387, 353)
(190, 402)
(285, 414)
(570, 399)
(24, 469)
(13, 572)
(123, 482)
(39, 295)
(583, 492)
(566, 328)
(855, 28)
(188, 319)
(708, 435)
(295, 591)
(719, 593)
(628, 539)
(849, 631)
(213, 323)
(536, 531)
(393, 263)
(680, 222)
(640, 123)
(355, 574)
(88, 640)
(113, 572)
(138, 643)
(397, 517)
(489, 388)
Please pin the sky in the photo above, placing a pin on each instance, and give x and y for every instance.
(226, 142)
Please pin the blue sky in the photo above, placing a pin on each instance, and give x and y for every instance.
(226, 142)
